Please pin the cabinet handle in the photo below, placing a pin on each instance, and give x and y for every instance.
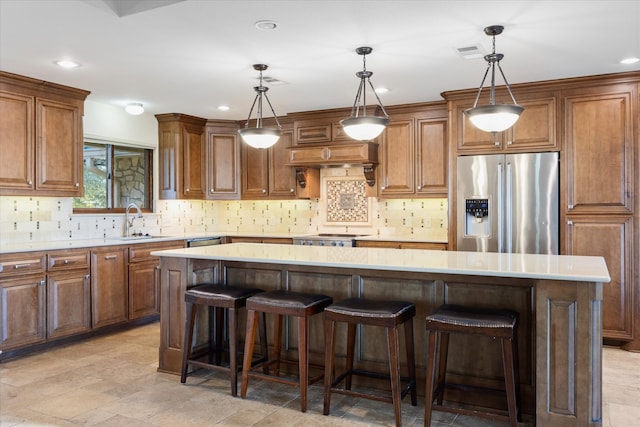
(569, 206)
(70, 261)
(496, 143)
(17, 266)
(509, 142)
(87, 276)
(42, 282)
(109, 257)
(569, 222)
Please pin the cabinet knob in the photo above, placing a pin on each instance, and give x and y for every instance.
(419, 187)
(77, 184)
(496, 143)
(87, 276)
(211, 191)
(186, 190)
(509, 142)
(569, 222)
(292, 190)
(569, 206)
(382, 188)
(30, 183)
(264, 191)
(42, 282)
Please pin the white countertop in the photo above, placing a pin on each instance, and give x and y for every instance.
(549, 267)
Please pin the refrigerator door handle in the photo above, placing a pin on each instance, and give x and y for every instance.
(509, 208)
(500, 198)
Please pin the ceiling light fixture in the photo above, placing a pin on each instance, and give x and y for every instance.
(67, 63)
(494, 117)
(629, 61)
(134, 108)
(363, 127)
(266, 25)
(260, 137)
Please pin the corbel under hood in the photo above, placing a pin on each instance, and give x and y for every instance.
(336, 154)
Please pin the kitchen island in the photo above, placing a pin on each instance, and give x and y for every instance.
(558, 297)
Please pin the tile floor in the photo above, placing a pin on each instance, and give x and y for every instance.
(112, 381)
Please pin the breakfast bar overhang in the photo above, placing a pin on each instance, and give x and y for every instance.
(558, 298)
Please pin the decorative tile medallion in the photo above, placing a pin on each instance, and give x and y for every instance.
(346, 201)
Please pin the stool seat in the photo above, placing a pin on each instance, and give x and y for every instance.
(387, 314)
(492, 323)
(217, 298)
(484, 321)
(288, 302)
(282, 303)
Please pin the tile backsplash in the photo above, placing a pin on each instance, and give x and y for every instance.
(342, 208)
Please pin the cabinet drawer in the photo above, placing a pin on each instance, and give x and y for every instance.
(143, 252)
(18, 264)
(67, 260)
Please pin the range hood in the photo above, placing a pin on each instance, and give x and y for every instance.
(336, 154)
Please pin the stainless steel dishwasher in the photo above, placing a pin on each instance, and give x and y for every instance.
(204, 241)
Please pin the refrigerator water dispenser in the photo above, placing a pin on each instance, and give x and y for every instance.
(477, 218)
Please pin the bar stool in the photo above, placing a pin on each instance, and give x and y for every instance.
(282, 303)
(218, 298)
(388, 314)
(500, 324)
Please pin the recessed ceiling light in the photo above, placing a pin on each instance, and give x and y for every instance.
(224, 107)
(628, 61)
(266, 25)
(381, 90)
(67, 63)
(134, 108)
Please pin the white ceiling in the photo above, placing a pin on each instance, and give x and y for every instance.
(191, 56)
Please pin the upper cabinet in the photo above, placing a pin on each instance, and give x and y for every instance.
(319, 130)
(41, 134)
(414, 153)
(535, 130)
(198, 159)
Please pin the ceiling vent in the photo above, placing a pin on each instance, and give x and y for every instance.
(470, 52)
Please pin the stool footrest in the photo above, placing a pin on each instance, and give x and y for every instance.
(410, 383)
(488, 413)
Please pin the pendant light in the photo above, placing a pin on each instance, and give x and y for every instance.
(363, 127)
(260, 137)
(494, 117)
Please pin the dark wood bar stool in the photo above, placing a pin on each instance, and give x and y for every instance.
(218, 298)
(387, 314)
(282, 303)
(500, 324)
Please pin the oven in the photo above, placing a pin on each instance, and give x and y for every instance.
(327, 239)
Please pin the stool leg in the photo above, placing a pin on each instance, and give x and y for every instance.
(394, 368)
(249, 342)
(188, 334)
(219, 334)
(303, 357)
(442, 365)
(351, 349)
(233, 349)
(329, 355)
(509, 379)
(411, 359)
(262, 326)
(432, 352)
(277, 342)
(516, 368)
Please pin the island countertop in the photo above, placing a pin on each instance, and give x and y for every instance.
(547, 267)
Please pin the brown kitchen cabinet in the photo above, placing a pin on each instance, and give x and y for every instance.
(400, 245)
(109, 286)
(42, 137)
(23, 300)
(265, 174)
(182, 155)
(223, 162)
(144, 278)
(68, 293)
(243, 239)
(534, 131)
(414, 154)
(319, 130)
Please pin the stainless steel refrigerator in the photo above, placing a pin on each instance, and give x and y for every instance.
(508, 203)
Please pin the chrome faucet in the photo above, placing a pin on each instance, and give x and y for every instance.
(128, 220)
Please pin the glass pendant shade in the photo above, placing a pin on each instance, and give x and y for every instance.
(364, 128)
(360, 126)
(494, 118)
(260, 137)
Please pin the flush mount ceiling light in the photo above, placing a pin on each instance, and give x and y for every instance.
(67, 63)
(629, 61)
(134, 108)
(260, 137)
(266, 25)
(494, 117)
(363, 127)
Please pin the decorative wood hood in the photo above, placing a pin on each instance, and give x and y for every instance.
(335, 154)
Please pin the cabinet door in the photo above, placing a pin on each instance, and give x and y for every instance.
(194, 156)
(432, 157)
(397, 169)
(168, 155)
(255, 172)
(16, 134)
(611, 238)
(109, 288)
(599, 152)
(144, 289)
(69, 302)
(58, 148)
(22, 311)
(282, 182)
(471, 139)
(535, 130)
(223, 162)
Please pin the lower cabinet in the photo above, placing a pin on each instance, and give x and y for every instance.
(109, 286)
(278, 240)
(400, 245)
(23, 307)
